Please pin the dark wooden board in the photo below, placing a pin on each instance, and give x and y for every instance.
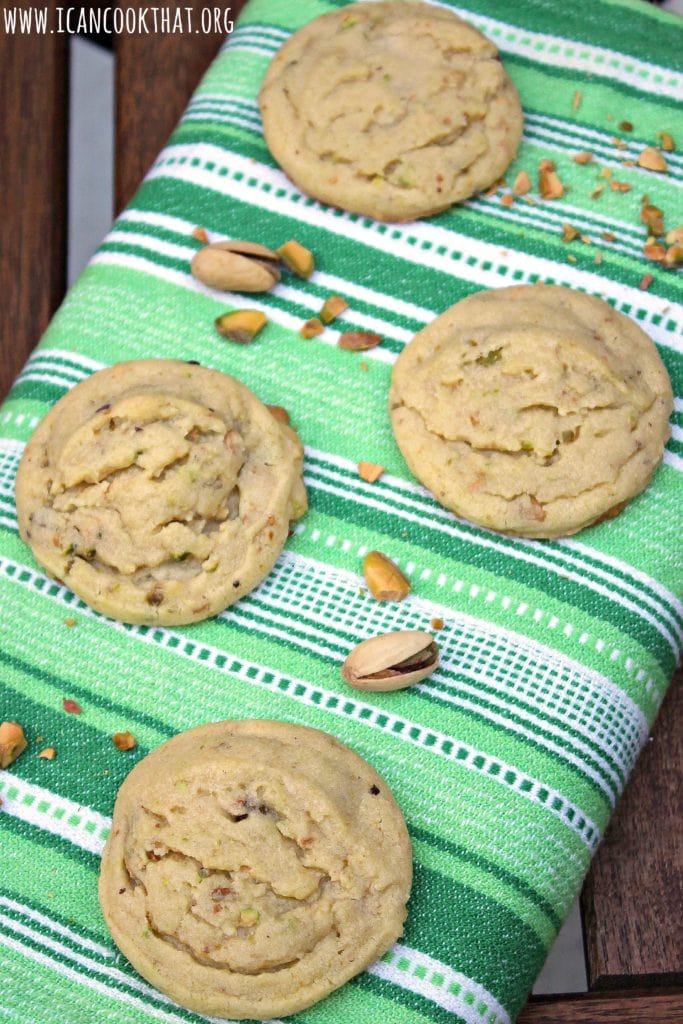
(633, 898)
(155, 76)
(605, 1008)
(33, 159)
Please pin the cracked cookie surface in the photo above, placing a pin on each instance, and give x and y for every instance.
(253, 867)
(532, 410)
(395, 110)
(159, 491)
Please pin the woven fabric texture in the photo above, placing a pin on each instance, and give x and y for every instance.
(509, 760)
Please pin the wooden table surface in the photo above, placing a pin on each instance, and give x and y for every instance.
(632, 901)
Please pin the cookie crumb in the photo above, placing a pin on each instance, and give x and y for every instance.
(437, 623)
(48, 753)
(70, 623)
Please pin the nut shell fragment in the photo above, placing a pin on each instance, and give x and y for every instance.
(391, 661)
(236, 267)
(652, 160)
(358, 341)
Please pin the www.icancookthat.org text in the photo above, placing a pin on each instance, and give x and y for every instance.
(21, 20)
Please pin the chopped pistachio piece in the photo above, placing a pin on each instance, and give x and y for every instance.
(241, 326)
(297, 258)
(12, 743)
(311, 328)
(124, 740)
(332, 308)
(384, 578)
(522, 184)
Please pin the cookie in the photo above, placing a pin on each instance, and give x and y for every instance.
(394, 109)
(253, 867)
(159, 491)
(533, 410)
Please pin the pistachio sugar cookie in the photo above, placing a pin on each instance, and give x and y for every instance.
(391, 109)
(532, 410)
(253, 867)
(159, 491)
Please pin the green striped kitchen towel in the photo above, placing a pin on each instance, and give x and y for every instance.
(507, 762)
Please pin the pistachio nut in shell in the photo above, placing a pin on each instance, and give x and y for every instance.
(236, 267)
(391, 661)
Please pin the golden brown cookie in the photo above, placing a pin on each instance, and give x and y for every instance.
(253, 867)
(159, 491)
(393, 109)
(533, 410)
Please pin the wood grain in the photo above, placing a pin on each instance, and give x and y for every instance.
(33, 158)
(155, 76)
(633, 898)
(605, 1008)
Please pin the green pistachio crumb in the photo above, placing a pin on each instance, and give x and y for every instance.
(490, 358)
(249, 917)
